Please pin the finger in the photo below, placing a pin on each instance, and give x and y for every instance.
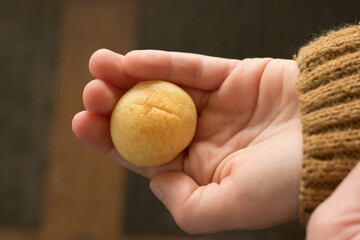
(205, 209)
(149, 172)
(190, 70)
(107, 65)
(93, 129)
(199, 97)
(101, 97)
(338, 217)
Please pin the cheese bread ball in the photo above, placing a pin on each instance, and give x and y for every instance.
(152, 123)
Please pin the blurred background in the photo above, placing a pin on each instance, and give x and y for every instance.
(53, 187)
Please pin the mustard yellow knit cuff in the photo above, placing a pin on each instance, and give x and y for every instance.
(329, 91)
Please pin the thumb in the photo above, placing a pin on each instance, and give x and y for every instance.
(173, 189)
(338, 217)
(198, 209)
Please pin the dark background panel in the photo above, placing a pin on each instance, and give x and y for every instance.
(239, 29)
(28, 34)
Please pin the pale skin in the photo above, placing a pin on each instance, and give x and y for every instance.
(242, 169)
(338, 217)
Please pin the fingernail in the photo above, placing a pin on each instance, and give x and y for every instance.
(156, 191)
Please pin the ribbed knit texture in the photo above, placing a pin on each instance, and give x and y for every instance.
(329, 91)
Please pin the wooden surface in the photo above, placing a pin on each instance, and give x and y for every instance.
(84, 189)
(27, 63)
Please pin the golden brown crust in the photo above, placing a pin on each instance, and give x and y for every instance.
(152, 123)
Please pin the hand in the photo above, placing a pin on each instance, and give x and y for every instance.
(338, 217)
(242, 169)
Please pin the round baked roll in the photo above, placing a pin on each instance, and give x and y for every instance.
(152, 123)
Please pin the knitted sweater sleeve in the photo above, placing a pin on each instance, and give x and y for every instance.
(329, 92)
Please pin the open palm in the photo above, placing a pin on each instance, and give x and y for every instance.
(242, 169)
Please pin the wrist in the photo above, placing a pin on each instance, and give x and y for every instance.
(329, 92)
